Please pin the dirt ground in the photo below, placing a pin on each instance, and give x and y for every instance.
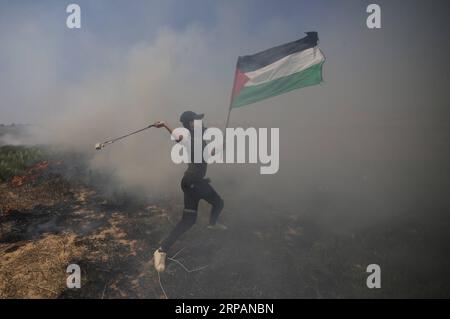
(50, 222)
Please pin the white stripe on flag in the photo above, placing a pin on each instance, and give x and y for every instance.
(288, 65)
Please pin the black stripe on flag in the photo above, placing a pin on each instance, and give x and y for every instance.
(259, 60)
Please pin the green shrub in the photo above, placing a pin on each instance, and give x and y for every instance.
(15, 159)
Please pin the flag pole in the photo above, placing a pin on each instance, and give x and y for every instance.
(229, 113)
(231, 99)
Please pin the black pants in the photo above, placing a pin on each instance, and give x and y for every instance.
(194, 191)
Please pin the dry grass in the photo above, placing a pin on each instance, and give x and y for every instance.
(37, 269)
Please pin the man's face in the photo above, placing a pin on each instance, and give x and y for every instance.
(191, 125)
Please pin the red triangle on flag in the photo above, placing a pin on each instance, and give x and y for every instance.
(239, 81)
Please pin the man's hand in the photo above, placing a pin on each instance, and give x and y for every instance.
(160, 124)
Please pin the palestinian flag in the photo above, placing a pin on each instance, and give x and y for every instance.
(277, 70)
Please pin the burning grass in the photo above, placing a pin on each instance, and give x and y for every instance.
(52, 216)
(15, 159)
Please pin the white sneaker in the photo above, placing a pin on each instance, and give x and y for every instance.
(218, 226)
(159, 260)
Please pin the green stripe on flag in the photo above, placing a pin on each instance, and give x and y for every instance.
(252, 94)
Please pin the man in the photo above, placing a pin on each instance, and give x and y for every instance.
(195, 187)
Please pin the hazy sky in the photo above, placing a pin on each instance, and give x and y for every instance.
(38, 52)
